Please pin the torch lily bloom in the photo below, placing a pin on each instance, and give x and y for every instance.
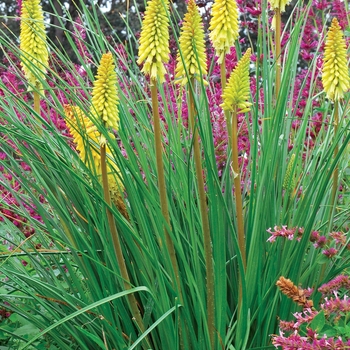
(154, 40)
(104, 94)
(237, 90)
(34, 52)
(335, 73)
(224, 28)
(191, 56)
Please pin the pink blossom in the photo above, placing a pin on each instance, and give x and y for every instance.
(330, 252)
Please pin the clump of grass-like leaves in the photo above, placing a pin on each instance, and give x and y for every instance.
(177, 267)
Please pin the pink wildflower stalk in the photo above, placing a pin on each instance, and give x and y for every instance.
(285, 232)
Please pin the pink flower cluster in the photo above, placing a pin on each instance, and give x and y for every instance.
(297, 342)
(299, 334)
(283, 231)
(339, 282)
(331, 246)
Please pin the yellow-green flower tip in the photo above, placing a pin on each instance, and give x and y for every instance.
(279, 4)
(223, 28)
(288, 182)
(237, 90)
(34, 53)
(154, 40)
(335, 73)
(104, 102)
(191, 55)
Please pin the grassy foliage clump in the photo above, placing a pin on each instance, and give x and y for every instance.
(154, 202)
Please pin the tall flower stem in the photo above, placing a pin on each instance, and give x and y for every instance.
(223, 86)
(36, 102)
(336, 170)
(116, 241)
(223, 74)
(205, 219)
(238, 200)
(235, 99)
(161, 181)
(36, 97)
(237, 184)
(278, 51)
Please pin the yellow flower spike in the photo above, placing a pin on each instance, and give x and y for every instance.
(34, 53)
(154, 40)
(279, 4)
(104, 102)
(224, 28)
(80, 128)
(335, 73)
(79, 125)
(237, 90)
(191, 46)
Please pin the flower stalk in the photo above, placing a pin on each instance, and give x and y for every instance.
(36, 97)
(226, 112)
(279, 6)
(235, 98)
(204, 217)
(237, 185)
(104, 107)
(116, 242)
(153, 53)
(191, 66)
(278, 52)
(159, 153)
(161, 181)
(336, 150)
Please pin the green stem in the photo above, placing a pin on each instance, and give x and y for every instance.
(223, 75)
(223, 86)
(116, 242)
(161, 181)
(336, 170)
(239, 205)
(278, 51)
(205, 220)
(237, 184)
